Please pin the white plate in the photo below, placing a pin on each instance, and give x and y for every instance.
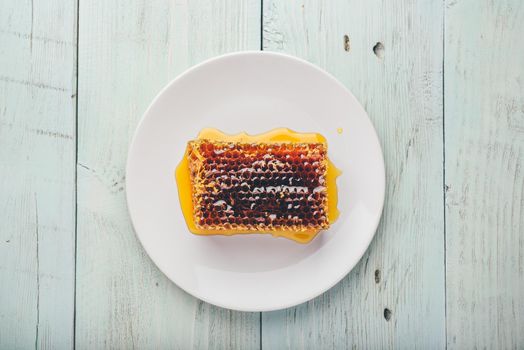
(254, 92)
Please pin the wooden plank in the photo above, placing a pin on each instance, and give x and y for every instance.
(484, 138)
(37, 173)
(129, 49)
(395, 297)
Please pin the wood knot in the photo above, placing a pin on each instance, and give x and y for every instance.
(387, 314)
(379, 49)
(377, 276)
(347, 46)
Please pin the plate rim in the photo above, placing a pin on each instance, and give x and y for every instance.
(376, 221)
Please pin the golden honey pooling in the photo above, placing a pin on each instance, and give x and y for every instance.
(257, 186)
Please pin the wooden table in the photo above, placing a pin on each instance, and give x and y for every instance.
(442, 81)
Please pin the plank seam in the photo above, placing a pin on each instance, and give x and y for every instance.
(76, 167)
(444, 186)
(37, 273)
(261, 25)
(32, 26)
(260, 330)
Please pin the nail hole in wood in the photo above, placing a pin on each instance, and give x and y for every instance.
(379, 49)
(156, 284)
(387, 314)
(347, 46)
(377, 276)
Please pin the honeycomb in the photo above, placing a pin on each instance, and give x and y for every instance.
(258, 186)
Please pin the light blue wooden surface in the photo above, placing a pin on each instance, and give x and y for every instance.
(37, 173)
(132, 48)
(444, 88)
(402, 92)
(484, 132)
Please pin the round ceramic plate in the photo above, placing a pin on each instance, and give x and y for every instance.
(254, 92)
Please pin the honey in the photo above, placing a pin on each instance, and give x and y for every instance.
(259, 192)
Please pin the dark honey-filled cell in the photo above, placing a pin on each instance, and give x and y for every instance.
(250, 186)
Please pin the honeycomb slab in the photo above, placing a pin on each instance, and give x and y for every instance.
(281, 182)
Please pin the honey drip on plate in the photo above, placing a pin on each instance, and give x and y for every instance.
(281, 135)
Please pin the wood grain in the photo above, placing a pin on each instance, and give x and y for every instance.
(129, 50)
(37, 173)
(484, 109)
(391, 60)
